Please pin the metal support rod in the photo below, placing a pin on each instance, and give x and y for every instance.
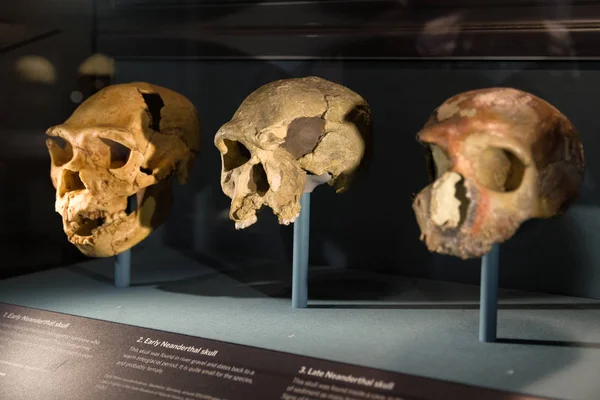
(123, 269)
(488, 307)
(300, 261)
(123, 260)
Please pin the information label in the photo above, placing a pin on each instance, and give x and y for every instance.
(48, 355)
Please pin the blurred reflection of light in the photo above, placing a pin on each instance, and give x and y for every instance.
(440, 36)
(559, 43)
(588, 181)
(76, 96)
(97, 65)
(334, 255)
(223, 214)
(36, 69)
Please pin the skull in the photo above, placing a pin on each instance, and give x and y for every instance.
(120, 146)
(497, 157)
(284, 131)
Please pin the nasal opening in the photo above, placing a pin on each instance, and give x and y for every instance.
(71, 181)
(258, 180)
(449, 201)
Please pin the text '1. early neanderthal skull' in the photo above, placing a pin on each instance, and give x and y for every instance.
(497, 157)
(121, 146)
(283, 131)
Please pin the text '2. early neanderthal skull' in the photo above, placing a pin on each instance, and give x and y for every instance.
(283, 131)
(497, 157)
(127, 140)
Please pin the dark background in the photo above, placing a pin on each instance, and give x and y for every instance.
(403, 57)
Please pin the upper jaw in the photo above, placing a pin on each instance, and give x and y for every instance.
(244, 210)
(242, 224)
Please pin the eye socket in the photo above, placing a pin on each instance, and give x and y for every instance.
(499, 170)
(437, 161)
(236, 155)
(119, 154)
(61, 151)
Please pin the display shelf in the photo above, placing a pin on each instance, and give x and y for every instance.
(548, 345)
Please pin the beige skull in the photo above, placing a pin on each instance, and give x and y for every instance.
(126, 141)
(497, 157)
(281, 132)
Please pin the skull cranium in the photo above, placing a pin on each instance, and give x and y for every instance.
(126, 141)
(497, 157)
(283, 131)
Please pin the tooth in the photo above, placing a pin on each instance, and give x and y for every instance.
(245, 223)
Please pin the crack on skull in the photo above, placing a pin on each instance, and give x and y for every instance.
(154, 103)
(83, 150)
(327, 105)
(113, 245)
(148, 144)
(159, 170)
(120, 179)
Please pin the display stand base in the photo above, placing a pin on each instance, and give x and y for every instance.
(551, 345)
(301, 251)
(488, 306)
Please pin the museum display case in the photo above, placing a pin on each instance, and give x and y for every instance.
(319, 199)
